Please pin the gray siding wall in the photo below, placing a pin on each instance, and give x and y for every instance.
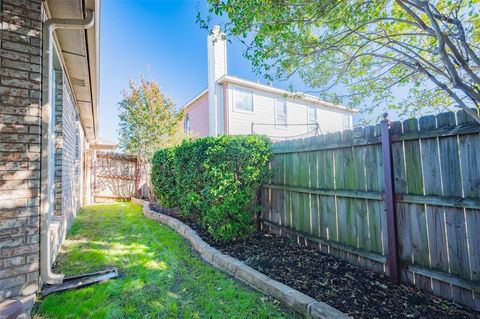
(20, 58)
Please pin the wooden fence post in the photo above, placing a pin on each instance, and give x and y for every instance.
(393, 263)
(138, 167)
(94, 174)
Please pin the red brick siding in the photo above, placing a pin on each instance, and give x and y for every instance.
(198, 116)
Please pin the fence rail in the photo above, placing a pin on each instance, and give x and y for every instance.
(329, 191)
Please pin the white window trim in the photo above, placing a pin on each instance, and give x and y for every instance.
(349, 125)
(234, 100)
(186, 123)
(281, 126)
(309, 107)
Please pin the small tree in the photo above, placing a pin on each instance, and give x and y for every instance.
(148, 120)
(366, 48)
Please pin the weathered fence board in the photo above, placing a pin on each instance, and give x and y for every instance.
(328, 191)
(116, 176)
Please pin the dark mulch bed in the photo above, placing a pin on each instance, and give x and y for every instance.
(351, 289)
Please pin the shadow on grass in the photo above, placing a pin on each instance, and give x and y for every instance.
(160, 277)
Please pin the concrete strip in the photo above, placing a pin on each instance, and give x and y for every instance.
(10, 309)
(321, 310)
(251, 276)
(208, 252)
(226, 262)
(17, 308)
(295, 299)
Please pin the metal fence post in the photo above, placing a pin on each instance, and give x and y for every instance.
(393, 261)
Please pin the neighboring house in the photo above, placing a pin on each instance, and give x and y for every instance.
(235, 106)
(48, 117)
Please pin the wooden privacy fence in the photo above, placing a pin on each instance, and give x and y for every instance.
(329, 191)
(116, 176)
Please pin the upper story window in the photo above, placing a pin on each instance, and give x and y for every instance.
(186, 124)
(243, 100)
(312, 118)
(347, 121)
(280, 113)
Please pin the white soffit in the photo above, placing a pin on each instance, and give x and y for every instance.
(79, 50)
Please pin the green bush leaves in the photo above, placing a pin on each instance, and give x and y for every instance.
(163, 176)
(215, 180)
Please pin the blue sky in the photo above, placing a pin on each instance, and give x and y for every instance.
(161, 40)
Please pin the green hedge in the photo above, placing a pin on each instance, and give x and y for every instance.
(215, 180)
(163, 176)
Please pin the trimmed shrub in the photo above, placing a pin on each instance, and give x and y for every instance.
(190, 173)
(163, 177)
(216, 181)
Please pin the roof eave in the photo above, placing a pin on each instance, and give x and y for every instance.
(79, 50)
(270, 89)
(197, 97)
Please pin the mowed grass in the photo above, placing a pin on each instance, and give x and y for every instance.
(160, 277)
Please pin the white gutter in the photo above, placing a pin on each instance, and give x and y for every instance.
(96, 100)
(48, 137)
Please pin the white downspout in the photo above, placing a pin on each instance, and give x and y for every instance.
(48, 137)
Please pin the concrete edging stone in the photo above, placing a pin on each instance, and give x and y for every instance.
(295, 299)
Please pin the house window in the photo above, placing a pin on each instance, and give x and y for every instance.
(312, 118)
(280, 113)
(186, 124)
(347, 121)
(243, 100)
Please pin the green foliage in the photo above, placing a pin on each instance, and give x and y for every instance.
(163, 176)
(360, 52)
(216, 180)
(148, 120)
(190, 174)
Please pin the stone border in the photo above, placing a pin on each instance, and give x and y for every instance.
(296, 300)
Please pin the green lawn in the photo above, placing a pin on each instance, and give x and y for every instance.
(160, 277)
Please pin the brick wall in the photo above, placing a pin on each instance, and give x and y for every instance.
(70, 155)
(68, 147)
(57, 103)
(198, 117)
(20, 88)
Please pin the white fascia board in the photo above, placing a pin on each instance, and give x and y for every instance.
(194, 99)
(270, 89)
